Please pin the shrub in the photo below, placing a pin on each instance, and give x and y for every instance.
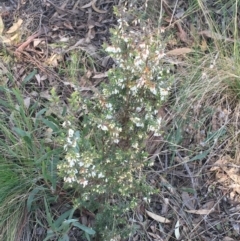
(105, 147)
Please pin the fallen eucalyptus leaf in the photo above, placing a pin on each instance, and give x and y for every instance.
(1, 25)
(200, 211)
(157, 217)
(15, 26)
(176, 231)
(179, 51)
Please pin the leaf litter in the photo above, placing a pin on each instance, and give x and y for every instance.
(198, 193)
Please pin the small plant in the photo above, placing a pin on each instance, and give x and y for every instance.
(60, 227)
(105, 149)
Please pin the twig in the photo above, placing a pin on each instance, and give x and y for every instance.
(28, 41)
(182, 33)
(191, 177)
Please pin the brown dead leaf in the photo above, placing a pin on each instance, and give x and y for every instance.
(16, 37)
(48, 135)
(227, 239)
(155, 236)
(210, 34)
(179, 51)
(165, 206)
(5, 40)
(15, 26)
(68, 25)
(203, 45)
(200, 211)
(91, 33)
(36, 42)
(235, 187)
(53, 60)
(183, 35)
(157, 217)
(219, 164)
(27, 101)
(209, 204)
(96, 9)
(100, 75)
(1, 25)
(88, 5)
(187, 200)
(38, 78)
(177, 230)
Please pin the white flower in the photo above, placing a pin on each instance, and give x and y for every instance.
(115, 91)
(70, 132)
(159, 121)
(71, 162)
(134, 89)
(84, 182)
(87, 165)
(139, 124)
(145, 199)
(138, 62)
(157, 134)
(80, 164)
(66, 123)
(135, 120)
(74, 143)
(164, 92)
(138, 109)
(120, 80)
(112, 49)
(103, 127)
(116, 141)
(135, 145)
(69, 141)
(100, 175)
(109, 105)
(108, 117)
(153, 90)
(68, 179)
(151, 128)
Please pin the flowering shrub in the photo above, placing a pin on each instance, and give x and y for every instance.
(105, 150)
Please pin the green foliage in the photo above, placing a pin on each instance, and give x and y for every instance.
(105, 149)
(28, 162)
(60, 227)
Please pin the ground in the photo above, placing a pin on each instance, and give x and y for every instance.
(59, 44)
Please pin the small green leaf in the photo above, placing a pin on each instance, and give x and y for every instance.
(64, 238)
(28, 141)
(61, 219)
(50, 235)
(49, 218)
(41, 112)
(49, 154)
(84, 228)
(189, 190)
(21, 132)
(200, 156)
(25, 135)
(51, 125)
(29, 77)
(87, 236)
(32, 196)
(64, 111)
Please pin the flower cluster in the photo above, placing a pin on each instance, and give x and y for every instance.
(77, 167)
(107, 148)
